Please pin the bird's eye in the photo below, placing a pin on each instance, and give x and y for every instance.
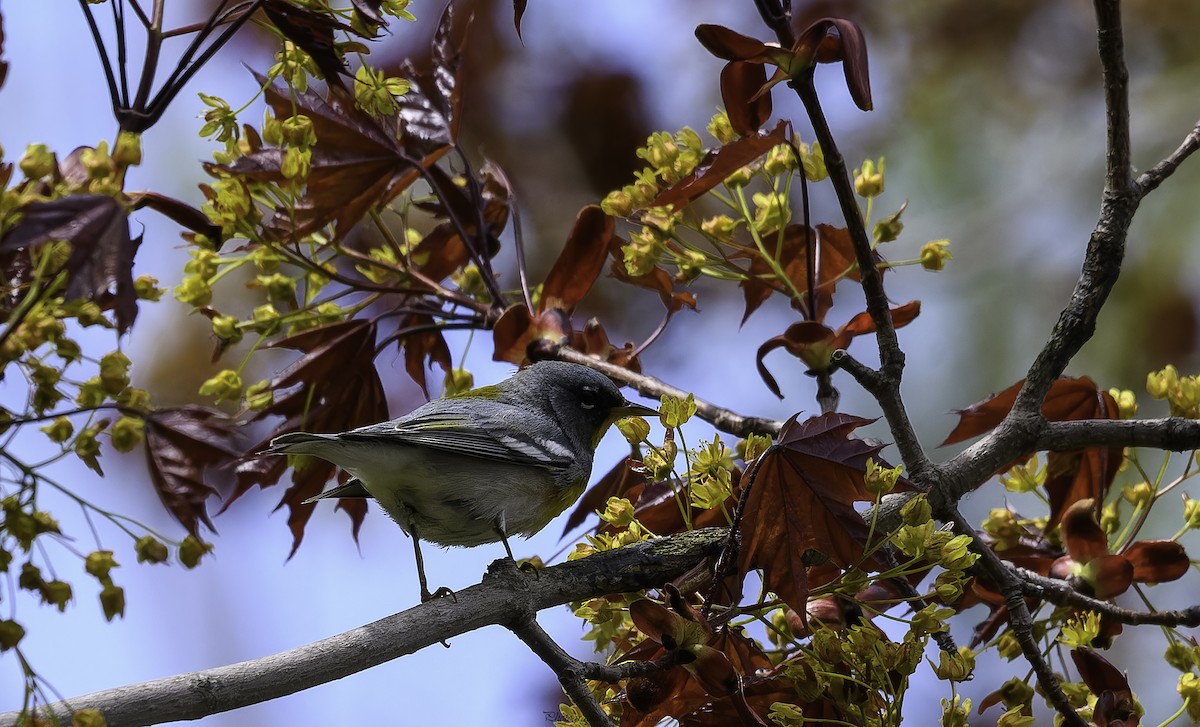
(589, 397)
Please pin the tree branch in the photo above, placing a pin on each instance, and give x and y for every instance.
(1156, 175)
(1060, 593)
(723, 419)
(1019, 618)
(1174, 434)
(503, 597)
(1106, 248)
(567, 668)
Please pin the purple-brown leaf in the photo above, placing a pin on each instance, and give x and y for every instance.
(185, 448)
(580, 262)
(100, 267)
(742, 94)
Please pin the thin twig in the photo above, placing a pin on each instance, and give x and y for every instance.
(1060, 593)
(723, 419)
(98, 40)
(1156, 175)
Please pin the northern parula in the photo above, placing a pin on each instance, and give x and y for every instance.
(479, 466)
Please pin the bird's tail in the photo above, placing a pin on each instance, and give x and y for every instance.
(299, 443)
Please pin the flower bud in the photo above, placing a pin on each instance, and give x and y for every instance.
(868, 181)
(935, 254)
(128, 150)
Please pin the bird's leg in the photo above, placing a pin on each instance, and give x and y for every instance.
(522, 565)
(425, 594)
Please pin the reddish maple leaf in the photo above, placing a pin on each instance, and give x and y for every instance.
(313, 33)
(1115, 705)
(814, 343)
(570, 278)
(1071, 476)
(185, 448)
(333, 387)
(801, 497)
(702, 666)
(741, 94)
(827, 40)
(100, 267)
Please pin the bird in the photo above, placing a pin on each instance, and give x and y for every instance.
(478, 466)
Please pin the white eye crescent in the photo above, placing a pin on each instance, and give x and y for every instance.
(587, 398)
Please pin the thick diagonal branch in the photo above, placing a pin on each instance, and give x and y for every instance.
(502, 597)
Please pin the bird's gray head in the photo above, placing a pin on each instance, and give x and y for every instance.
(584, 402)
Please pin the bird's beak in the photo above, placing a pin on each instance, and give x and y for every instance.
(629, 409)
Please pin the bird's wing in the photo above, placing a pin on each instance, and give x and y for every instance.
(499, 438)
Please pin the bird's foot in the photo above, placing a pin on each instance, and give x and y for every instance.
(442, 592)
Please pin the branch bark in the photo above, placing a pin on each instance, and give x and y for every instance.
(504, 596)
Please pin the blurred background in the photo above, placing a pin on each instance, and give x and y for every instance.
(991, 120)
